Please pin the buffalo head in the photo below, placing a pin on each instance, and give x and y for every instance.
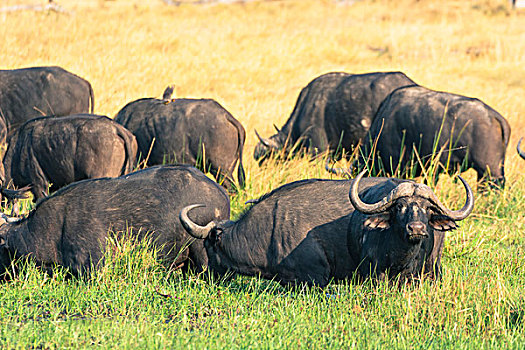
(403, 232)
(265, 147)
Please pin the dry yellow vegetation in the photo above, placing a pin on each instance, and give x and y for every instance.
(254, 57)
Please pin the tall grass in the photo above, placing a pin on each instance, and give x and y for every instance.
(254, 58)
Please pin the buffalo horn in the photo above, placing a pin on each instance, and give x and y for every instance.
(266, 142)
(457, 215)
(402, 190)
(520, 151)
(406, 189)
(200, 232)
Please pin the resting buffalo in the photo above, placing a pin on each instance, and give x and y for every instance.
(28, 93)
(70, 227)
(333, 111)
(467, 132)
(307, 231)
(520, 151)
(197, 132)
(59, 151)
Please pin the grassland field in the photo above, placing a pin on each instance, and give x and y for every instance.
(254, 58)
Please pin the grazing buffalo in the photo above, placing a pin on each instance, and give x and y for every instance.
(58, 151)
(456, 131)
(307, 231)
(70, 228)
(520, 151)
(333, 112)
(188, 131)
(38, 91)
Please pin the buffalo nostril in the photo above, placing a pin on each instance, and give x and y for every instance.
(416, 228)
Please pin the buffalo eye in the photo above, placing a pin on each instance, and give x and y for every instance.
(215, 235)
(401, 208)
(381, 221)
(442, 223)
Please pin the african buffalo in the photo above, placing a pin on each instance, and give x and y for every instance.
(70, 227)
(520, 151)
(333, 112)
(467, 132)
(307, 231)
(62, 150)
(28, 93)
(188, 131)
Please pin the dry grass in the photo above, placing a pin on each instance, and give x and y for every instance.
(254, 58)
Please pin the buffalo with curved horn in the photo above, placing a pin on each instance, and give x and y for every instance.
(71, 227)
(307, 231)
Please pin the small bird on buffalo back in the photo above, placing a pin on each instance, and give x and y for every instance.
(166, 96)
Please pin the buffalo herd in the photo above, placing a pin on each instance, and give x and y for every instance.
(312, 231)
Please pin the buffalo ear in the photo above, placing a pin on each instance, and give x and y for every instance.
(442, 223)
(380, 221)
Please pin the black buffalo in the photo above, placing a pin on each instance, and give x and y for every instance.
(28, 93)
(58, 151)
(70, 228)
(457, 131)
(308, 231)
(334, 111)
(188, 131)
(520, 151)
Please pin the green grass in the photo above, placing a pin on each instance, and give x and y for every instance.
(136, 302)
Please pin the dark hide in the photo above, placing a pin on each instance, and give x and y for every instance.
(479, 134)
(38, 91)
(70, 227)
(185, 131)
(333, 110)
(63, 150)
(3, 147)
(308, 231)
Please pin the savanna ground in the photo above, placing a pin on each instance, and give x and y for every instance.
(254, 58)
